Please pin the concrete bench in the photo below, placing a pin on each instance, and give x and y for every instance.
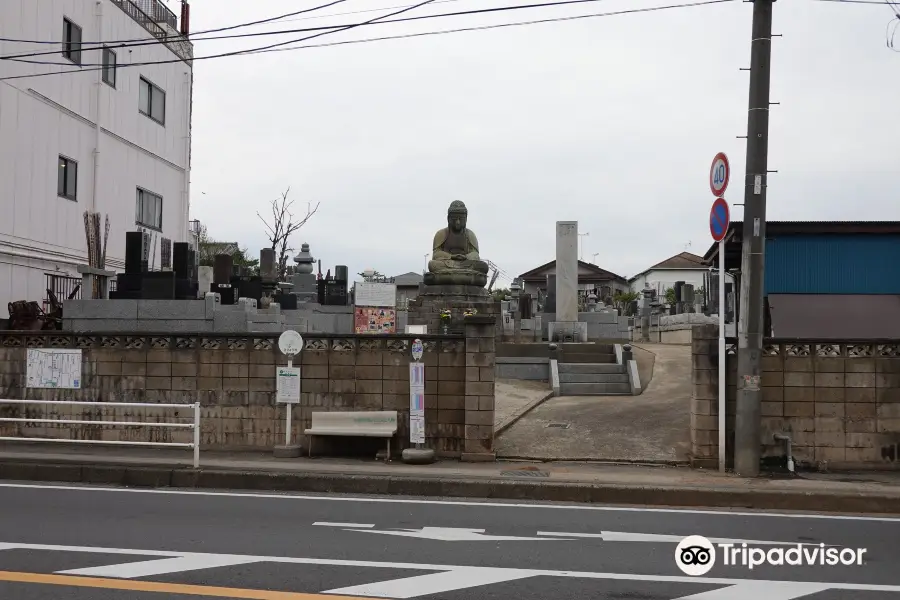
(354, 424)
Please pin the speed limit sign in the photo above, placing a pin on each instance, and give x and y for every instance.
(719, 173)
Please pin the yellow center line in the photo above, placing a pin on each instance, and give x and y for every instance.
(162, 588)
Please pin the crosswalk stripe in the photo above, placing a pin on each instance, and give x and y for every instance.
(435, 583)
(739, 584)
(147, 568)
(770, 590)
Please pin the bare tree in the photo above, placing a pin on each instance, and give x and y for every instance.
(283, 224)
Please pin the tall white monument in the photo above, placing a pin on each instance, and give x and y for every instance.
(565, 326)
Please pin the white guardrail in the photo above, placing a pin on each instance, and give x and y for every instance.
(195, 426)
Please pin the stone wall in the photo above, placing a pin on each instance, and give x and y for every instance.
(426, 308)
(676, 329)
(202, 316)
(233, 378)
(603, 325)
(839, 401)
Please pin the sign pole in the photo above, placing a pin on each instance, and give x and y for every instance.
(719, 221)
(721, 355)
(288, 410)
(417, 455)
(287, 389)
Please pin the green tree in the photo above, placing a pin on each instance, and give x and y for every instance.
(623, 300)
(670, 296)
(500, 294)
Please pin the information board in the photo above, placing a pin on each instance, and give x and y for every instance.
(382, 295)
(53, 368)
(287, 385)
(417, 403)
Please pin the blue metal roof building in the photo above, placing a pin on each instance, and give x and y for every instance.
(823, 257)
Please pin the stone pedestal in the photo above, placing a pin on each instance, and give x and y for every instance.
(567, 331)
(418, 456)
(292, 451)
(426, 308)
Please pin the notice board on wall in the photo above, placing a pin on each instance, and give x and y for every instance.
(368, 319)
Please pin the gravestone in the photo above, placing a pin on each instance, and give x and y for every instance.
(267, 268)
(566, 326)
(303, 279)
(204, 280)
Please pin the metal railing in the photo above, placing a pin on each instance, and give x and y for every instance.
(194, 426)
(62, 286)
(152, 15)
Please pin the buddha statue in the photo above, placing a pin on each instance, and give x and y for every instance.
(454, 254)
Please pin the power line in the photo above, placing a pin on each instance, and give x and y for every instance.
(395, 37)
(332, 29)
(501, 25)
(357, 12)
(179, 36)
(112, 45)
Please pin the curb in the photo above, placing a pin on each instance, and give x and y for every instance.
(670, 496)
(512, 419)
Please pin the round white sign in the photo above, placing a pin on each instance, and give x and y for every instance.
(719, 174)
(290, 343)
(417, 349)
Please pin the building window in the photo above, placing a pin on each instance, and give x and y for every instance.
(148, 209)
(109, 67)
(152, 102)
(71, 41)
(67, 179)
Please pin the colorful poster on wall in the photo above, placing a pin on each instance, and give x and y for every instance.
(369, 319)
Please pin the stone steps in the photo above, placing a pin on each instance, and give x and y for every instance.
(590, 368)
(594, 389)
(593, 379)
(584, 357)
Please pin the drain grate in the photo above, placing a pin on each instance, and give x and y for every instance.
(525, 473)
(557, 425)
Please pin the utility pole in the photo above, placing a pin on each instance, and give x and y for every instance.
(750, 336)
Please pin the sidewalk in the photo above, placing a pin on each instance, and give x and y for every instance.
(565, 482)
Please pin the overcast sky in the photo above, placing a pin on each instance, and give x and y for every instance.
(610, 121)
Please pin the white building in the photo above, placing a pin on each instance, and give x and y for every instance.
(685, 267)
(75, 137)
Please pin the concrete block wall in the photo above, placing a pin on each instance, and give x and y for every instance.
(676, 329)
(839, 401)
(233, 378)
(480, 365)
(196, 316)
(523, 367)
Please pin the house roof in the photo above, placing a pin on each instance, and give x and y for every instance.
(410, 279)
(734, 235)
(684, 260)
(594, 273)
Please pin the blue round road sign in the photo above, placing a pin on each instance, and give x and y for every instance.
(719, 218)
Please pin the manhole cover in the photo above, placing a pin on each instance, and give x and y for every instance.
(557, 425)
(525, 473)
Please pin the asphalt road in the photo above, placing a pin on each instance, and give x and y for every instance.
(79, 543)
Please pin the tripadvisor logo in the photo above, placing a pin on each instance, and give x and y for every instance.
(695, 555)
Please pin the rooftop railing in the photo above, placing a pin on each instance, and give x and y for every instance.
(155, 17)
